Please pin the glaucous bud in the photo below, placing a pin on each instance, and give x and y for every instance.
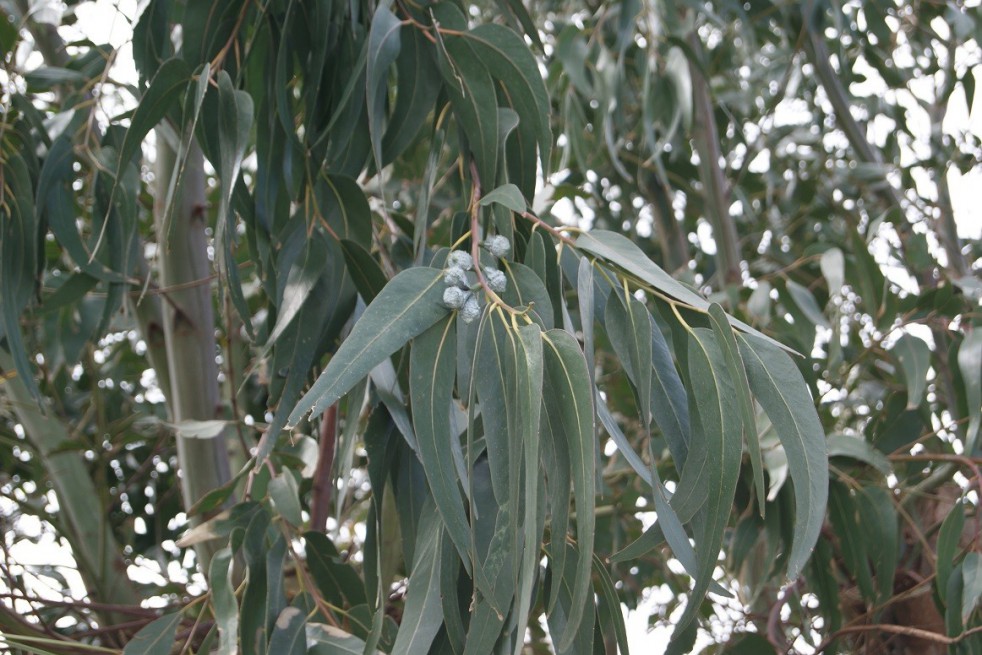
(455, 277)
(460, 259)
(455, 297)
(471, 309)
(497, 245)
(495, 279)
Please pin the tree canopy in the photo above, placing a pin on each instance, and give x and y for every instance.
(356, 327)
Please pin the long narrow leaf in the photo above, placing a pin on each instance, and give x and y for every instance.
(782, 392)
(410, 303)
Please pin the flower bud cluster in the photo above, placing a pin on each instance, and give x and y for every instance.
(458, 294)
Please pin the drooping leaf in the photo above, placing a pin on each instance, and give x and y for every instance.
(806, 302)
(235, 112)
(472, 94)
(166, 88)
(570, 405)
(284, 493)
(423, 614)
(734, 364)
(879, 517)
(971, 584)
(610, 607)
(410, 303)
(511, 63)
(844, 517)
(609, 423)
(620, 251)
(530, 377)
(383, 49)
(970, 366)
(18, 263)
(416, 92)
(365, 272)
(155, 638)
(783, 394)
(947, 547)
(289, 634)
(223, 601)
(857, 448)
(432, 366)
(914, 356)
(567, 623)
(669, 402)
(329, 640)
(715, 402)
(506, 195)
(629, 329)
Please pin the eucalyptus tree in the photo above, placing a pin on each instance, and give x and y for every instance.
(313, 300)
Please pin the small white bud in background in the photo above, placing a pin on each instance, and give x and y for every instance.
(455, 298)
(455, 277)
(460, 259)
(496, 280)
(471, 310)
(497, 245)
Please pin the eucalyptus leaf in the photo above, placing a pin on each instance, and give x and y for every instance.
(409, 304)
(621, 252)
(432, 367)
(781, 391)
(155, 638)
(508, 196)
(570, 404)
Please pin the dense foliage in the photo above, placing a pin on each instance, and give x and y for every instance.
(446, 328)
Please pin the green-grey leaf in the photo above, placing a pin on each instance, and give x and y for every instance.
(972, 584)
(416, 92)
(783, 394)
(410, 303)
(715, 402)
(474, 101)
(857, 448)
(878, 514)
(423, 613)
(620, 251)
(510, 62)
(970, 366)
(570, 402)
(432, 366)
(530, 402)
(947, 549)
(289, 635)
(669, 401)
(166, 88)
(506, 195)
(610, 605)
(383, 48)
(328, 640)
(807, 304)
(156, 638)
(734, 364)
(914, 356)
(620, 439)
(365, 272)
(223, 601)
(18, 263)
(285, 496)
(629, 330)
